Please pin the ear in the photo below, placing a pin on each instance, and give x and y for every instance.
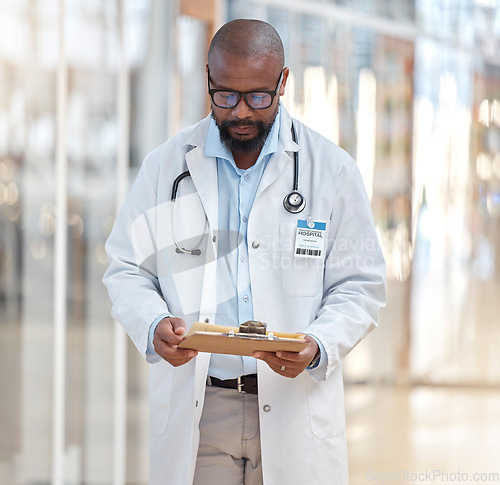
(286, 72)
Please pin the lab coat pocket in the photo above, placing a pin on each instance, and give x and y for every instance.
(326, 406)
(300, 276)
(160, 390)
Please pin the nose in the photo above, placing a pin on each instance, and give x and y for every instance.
(242, 110)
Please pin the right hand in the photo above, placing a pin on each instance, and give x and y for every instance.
(168, 335)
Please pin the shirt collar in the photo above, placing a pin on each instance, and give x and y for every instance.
(215, 148)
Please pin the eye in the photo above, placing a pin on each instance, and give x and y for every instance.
(258, 99)
(225, 98)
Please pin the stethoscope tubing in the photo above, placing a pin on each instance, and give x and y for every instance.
(293, 208)
(295, 163)
(176, 183)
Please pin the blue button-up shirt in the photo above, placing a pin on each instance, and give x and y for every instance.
(237, 189)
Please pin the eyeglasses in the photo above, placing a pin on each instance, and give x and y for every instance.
(225, 98)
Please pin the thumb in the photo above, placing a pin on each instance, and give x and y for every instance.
(179, 326)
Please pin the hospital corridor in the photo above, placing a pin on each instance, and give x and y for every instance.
(409, 88)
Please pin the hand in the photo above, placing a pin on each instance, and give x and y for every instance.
(293, 362)
(168, 335)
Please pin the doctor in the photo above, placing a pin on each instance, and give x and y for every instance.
(231, 245)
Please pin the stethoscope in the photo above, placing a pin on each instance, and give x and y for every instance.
(294, 202)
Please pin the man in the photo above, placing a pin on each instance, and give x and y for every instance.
(228, 251)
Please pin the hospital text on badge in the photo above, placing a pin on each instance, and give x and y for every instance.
(310, 239)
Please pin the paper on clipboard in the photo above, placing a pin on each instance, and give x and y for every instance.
(218, 339)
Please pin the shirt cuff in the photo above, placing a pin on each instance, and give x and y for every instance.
(323, 360)
(151, 350)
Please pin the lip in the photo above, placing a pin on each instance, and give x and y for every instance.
(243, 129)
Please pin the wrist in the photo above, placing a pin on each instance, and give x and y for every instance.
(315, 361)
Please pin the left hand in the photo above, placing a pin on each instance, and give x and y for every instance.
(293, 362)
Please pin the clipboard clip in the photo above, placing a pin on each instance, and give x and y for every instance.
(253, 330)
(253, 326)
(248, 336)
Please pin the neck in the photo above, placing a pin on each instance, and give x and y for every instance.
(245, 160)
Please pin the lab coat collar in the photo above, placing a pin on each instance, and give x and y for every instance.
(199, 135)
(285, 138)
(203, 169)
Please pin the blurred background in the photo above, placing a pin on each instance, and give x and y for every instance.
(411, 88)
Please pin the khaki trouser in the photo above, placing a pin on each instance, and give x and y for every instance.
(229, 452)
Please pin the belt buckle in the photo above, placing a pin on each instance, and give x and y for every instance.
(240, 385)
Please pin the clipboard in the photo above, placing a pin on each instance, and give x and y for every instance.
(219, 339)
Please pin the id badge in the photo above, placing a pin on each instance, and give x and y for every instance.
(310, 239)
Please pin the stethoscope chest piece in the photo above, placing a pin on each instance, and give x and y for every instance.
(294, 202)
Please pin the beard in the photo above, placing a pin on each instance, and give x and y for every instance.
(236, 145)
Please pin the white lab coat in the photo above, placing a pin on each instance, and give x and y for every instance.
(335, 298)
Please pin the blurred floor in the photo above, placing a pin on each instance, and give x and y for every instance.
(439, 435)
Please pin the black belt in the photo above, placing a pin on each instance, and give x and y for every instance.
(241, 384)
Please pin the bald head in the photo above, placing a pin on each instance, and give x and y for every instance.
(247, 39)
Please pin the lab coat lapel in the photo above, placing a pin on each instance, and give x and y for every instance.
(203, 172)
(274, 168)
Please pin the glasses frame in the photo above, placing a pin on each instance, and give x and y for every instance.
(244, 95)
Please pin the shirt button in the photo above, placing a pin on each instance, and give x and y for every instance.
(245, 219)
(255, 244)
(266, 408)
(245, 298)
(247, 178)
(242, 259)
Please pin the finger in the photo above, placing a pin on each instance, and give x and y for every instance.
(290, 359)
(176, 356)
(304, 355)
(287, 371)
(172, 351)
(180, 360)
(283, 367)
(269, 357)
(276, 364)
(291, 356)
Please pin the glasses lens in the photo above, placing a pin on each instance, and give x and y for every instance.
(229, 99)
(225, 99)
(259, 100)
